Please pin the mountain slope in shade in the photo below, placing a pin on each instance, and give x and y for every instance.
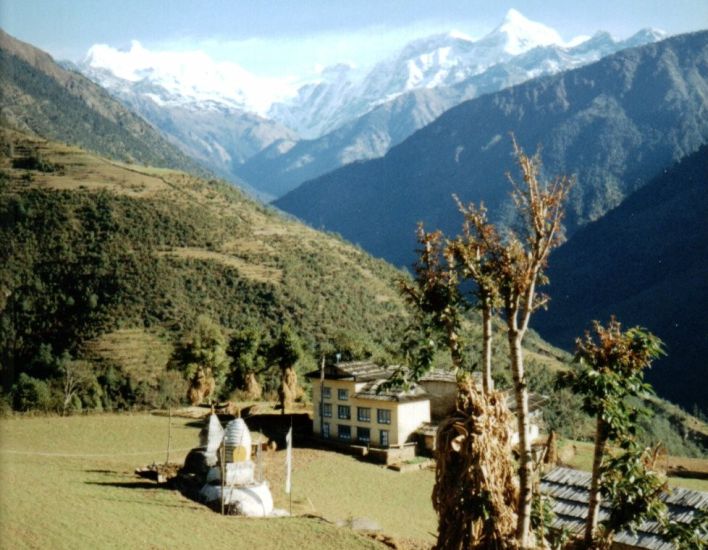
(279, 169)
(646, 262)
(39, 96)
(612, 124)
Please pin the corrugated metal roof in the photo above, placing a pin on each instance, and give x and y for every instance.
(570, 491)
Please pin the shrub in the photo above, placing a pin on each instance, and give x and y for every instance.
(30, 393)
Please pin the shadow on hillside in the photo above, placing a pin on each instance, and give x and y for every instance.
(131, 484)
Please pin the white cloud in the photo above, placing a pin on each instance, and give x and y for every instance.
(192, 74)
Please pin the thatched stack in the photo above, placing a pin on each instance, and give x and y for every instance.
(252, 387)
(475, 493)
(289, 390)
(201, 386)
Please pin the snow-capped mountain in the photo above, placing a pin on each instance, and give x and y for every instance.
(284, 166)
(430, 62)
(184, 78)
(276, 134)
(209, 110)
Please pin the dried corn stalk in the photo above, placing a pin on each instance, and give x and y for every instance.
(476, 491)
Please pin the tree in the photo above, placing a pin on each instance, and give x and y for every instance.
(247, 352)
(285, 352)
(518, 261)
(75, 377)
(506, 268)
(434, 295)
(202, 355)
(612, 369)
(471, 251)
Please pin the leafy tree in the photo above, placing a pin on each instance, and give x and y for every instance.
(203, 358)
(30, 393)
(285, 352)
(612, 369)
(472, 250)
(435, 298)
(246, 353)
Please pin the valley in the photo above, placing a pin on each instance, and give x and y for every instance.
(199, 240)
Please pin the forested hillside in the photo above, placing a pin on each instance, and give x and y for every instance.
(647, 262)
(612, 125)
(121, 260)
(38, 96)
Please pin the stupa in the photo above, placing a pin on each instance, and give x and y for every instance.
(242, 493)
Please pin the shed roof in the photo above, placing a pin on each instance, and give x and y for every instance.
(374, 375)
(570, 490)
(359, 371)
(372, 391)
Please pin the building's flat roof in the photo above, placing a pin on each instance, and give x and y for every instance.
(374, 376)
(359, 371)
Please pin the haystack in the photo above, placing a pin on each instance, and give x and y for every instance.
(475, 493)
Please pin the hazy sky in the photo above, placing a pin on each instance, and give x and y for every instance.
(274, 37)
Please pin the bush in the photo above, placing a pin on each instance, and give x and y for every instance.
(30, 393)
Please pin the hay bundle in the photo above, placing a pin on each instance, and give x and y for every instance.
(289, 391)
(475, 493)
(201, 386)
(253, 389)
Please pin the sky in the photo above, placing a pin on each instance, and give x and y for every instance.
(277, 38)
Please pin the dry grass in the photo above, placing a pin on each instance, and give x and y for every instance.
(139, 354)
(252, 271)
(82, 492)
(578, 454)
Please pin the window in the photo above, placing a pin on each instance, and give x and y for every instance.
(384, 438)
(344, 412)
(383, 416)
(325, 430)
(363, 435)
(327, 410)
(363, 414)
(342, 395)
(326, 392)
(344, 432)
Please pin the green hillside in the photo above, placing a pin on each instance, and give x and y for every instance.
(38, 96)
(102, 258)
(106, 266)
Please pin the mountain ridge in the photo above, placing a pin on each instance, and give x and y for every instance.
(646, 262)
(613, 124)
(388, 124)
(41, 97)
(345, 114)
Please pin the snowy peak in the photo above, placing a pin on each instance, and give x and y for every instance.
(516, 35)
(184, 77)
(644, 36)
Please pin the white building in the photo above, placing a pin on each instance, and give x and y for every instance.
(351, 407)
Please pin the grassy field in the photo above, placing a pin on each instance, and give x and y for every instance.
(69, 483)
(578, 454)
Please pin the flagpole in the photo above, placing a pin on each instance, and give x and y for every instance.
(289, 464)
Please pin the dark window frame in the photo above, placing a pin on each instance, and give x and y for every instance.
(341, 409)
